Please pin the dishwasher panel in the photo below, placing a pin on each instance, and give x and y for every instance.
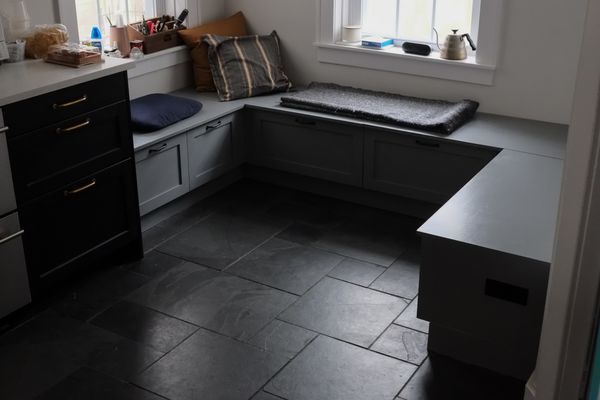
(14, 283)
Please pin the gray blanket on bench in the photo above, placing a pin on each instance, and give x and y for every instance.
(431, 115)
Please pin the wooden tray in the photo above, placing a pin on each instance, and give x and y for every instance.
(155, 42)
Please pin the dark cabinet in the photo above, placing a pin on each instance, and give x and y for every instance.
(80, 218)
(71, 153)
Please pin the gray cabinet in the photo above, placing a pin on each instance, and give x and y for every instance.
(213, 149)
(162, 173)
(485, 306)
(307, 146)
(421, 168)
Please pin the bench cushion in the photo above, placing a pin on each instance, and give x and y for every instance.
(246, 66)
(232, 26)
(156, 111)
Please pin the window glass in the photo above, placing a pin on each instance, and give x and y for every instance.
(379, 17)
(415, 19)
(95, 12)
(453, 14)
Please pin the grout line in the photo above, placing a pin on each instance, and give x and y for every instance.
(406, 299)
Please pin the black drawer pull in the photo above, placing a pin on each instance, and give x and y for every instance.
(158, 150)
(69, 103)
(73, 128)
(215, 126)
(506, 292)
(427, 144)
(305, 121)
(80, 189)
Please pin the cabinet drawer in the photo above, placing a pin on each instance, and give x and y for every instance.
(162, 173)
(210, 151)
(420, 168)
(79, 220)
(50, 157)
(48, 109)
(308, 146)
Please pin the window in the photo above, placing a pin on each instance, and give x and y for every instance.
(80, 15)
(97, 12)
(415, 19)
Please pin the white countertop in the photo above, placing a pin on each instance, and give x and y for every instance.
(20, 81)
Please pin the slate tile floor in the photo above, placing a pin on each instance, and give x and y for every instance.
(256, 293)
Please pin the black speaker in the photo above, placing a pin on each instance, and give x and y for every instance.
(416, 48)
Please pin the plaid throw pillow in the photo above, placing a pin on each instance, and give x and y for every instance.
(246, 66)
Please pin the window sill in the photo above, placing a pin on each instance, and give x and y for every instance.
(395, 60)
(160, 60)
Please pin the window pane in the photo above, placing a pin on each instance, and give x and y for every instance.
(415, 19)
(453, 14)
(379, 17)
(87, 16)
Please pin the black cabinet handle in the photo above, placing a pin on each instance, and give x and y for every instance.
(305, 121)
(71, 103)
(80, 189)
(74, 128)
(158, 149)
(214, 126)
(427, 144)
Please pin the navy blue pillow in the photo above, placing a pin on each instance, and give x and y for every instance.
(156, 111)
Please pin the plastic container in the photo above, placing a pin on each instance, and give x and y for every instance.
(96, 38)
(16, 51)
(73, 55)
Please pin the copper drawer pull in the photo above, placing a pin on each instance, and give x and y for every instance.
(70, 129)
(81, 189)
(69, 103)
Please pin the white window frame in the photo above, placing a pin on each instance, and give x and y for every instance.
(68, 13)
(478, 68)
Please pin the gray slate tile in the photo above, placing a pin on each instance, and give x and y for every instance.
(402, 343)
(144, 325)
(88, 384)
(333, 370)
(409, 319)
(48, 348)
(155, 264)
(345, 311)
(402, 278)
(285, 265)
(301, 233)
(210, 366)
(223, 237)
(283, 338)
(366, 242)
(357, 272)
(220, 302)
(265, 396)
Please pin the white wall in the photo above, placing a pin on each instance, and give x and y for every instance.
(535, 77)
(41, 11)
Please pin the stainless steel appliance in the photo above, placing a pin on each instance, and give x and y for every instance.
(3, 49)
(14, 283)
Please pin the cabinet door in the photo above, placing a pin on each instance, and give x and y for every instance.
(308, 146)
(420, 168)
(211, 151)
(81, 220)
(48, 158)
(162, 173)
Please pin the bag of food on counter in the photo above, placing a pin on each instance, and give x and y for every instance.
(44, 36)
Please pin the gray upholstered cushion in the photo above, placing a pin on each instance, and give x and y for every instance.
(246, 66)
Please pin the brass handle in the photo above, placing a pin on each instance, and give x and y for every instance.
(69, 103)
(74, 127)
(81, 189)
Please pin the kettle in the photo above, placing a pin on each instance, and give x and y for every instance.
(454, 47)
